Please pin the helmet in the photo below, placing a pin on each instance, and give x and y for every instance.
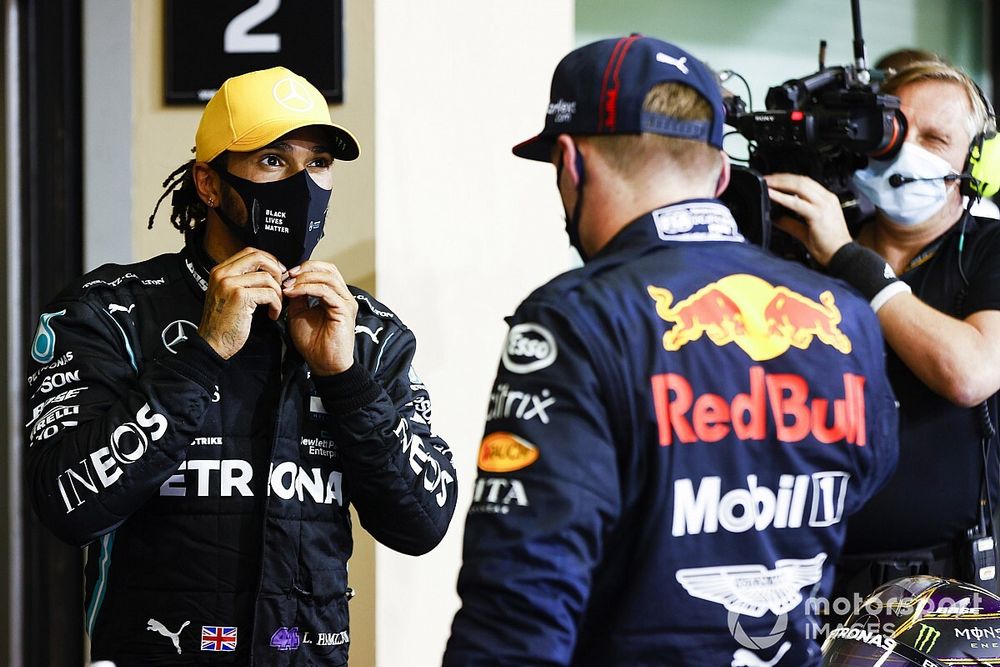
(924, 621)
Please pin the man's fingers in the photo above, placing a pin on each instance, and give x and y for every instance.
(799, 186)
(259, 296)
(249, 260)
(254, 279)
(791, 202)
(323, 276)
(792, 183)
(310, 266)
(325, 293)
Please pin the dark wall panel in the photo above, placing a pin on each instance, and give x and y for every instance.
(51, 106)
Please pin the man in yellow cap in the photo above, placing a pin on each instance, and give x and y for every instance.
(202, 420)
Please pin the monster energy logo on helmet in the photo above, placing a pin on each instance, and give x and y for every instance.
(926, 638)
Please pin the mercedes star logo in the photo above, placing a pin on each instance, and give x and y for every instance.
(288, 93)
(176, 333)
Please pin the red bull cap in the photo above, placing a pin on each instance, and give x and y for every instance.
(600, 89)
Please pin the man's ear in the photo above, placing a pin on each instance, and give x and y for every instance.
(723, 181)
(564, 153)
(207, 183)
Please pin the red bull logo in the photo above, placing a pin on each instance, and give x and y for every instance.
(761, 319)
(778, 400)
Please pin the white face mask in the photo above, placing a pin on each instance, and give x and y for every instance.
(911, 202)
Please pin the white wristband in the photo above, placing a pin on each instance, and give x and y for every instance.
(889, 291)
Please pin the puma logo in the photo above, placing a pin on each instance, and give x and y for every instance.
(154, 625)
(679, 63)
(114, 308)
(368, 332)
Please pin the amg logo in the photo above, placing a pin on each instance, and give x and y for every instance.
(757, 506)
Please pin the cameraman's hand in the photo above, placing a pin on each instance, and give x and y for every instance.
(822, 228)
(236, 287)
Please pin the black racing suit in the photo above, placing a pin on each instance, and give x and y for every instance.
(214, 495)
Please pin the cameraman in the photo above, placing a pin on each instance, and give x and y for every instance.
(941, 320)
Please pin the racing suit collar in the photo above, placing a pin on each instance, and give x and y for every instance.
(685, 221)
(197, 262)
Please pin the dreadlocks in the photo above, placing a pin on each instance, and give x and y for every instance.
(189, 210)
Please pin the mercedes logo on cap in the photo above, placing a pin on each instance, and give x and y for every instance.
(289, 94)
(176, 333)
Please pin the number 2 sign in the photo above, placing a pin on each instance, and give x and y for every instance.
(208, 41)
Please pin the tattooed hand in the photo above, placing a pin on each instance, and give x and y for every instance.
(236, 287)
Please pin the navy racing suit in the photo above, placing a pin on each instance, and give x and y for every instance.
(214, 495)
(676, 436)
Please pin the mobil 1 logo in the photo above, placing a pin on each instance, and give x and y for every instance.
(708, 505)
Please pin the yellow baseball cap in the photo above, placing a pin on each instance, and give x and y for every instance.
(252, 110)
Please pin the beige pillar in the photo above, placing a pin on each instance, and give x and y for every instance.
(463, 232)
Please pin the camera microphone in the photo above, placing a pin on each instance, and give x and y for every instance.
(898, 180)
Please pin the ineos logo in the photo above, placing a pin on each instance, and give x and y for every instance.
(146, 418)
(288, 93)
(176, 333)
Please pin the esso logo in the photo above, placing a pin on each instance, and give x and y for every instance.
(530, 347)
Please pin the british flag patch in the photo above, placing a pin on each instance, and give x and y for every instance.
(218, 638)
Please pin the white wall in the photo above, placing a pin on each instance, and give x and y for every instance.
(464, 231)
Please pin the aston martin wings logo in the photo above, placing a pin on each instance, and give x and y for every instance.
(753, 589)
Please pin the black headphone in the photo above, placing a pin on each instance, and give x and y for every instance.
(982, 163)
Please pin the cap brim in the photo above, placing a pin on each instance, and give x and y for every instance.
(537, 148)
(343, 145)
(347, 147)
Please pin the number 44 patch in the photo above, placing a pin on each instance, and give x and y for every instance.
(285, 639)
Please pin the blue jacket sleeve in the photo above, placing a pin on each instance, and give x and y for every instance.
(546, 495)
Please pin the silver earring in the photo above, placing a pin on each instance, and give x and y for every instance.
(211, 202)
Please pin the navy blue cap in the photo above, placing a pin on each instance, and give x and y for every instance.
(599, 89)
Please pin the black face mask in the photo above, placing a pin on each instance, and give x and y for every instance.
(573, 219)
(284, 218)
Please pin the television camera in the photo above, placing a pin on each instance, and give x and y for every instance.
(825, 125)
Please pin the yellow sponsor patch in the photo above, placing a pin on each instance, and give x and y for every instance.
(505, 452)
